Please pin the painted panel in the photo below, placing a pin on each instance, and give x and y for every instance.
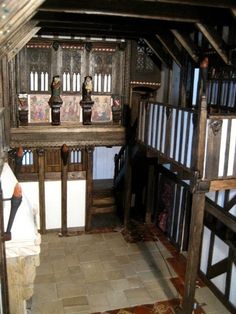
(101, 110)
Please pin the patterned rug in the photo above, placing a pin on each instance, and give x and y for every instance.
(164, 307)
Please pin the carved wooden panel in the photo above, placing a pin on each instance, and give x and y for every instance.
(52, 160)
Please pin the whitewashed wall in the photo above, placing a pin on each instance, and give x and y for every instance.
(75, 202)
(103, 162)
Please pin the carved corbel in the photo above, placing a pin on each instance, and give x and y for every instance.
(216, 125)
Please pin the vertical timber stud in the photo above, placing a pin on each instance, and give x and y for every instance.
(89, 186)
(64, 170)
(127, 185)
(198, 205)
(41, 167)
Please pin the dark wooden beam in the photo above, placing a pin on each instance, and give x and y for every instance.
(221, 214)
(158, 50)
(100, 28)
(218, 269)
(138, 9)
(215, 40)
(87, 33)
(206, 3)
(187, 44)
(167, 40)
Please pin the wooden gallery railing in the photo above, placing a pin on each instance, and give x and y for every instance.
(173, 133)
(203, 144)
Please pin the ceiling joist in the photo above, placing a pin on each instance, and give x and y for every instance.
(187, 44)
(158, 50)
(135, 9)
(215, 40)
(167, 40)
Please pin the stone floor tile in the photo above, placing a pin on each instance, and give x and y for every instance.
(98, 287)
(70, 289)
(48, 278)
(111, 265)
(89, 257)
(120, 284)
(137, 296)
(93, 271)
(115, 274)
(44, 292)
(44, 269)
(117, 300)
(98, 300)
(72, 301)
(48, 307)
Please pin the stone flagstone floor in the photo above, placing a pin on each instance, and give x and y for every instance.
(102, 271)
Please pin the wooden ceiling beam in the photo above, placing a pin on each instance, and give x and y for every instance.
(87, 33)
(18, 18)
(134, 9)
(215, 40)
(206, 3)
(187, 44)
(158, 51)
(19, 39)
(167, 40)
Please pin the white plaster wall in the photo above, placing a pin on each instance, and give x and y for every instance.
(31, 190)
(24, 228)
(53, 204)
(103, 162)
(232, 295)
(76, 203)
(205, 249)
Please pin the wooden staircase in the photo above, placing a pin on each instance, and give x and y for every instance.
(103, 208)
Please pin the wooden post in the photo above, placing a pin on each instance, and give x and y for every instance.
(64, 171)
(150, 193)
(197, 213)
(201, 136)
(89, 186)
(127, 188)
(196, 225)
(41, 167)
(3, 266)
